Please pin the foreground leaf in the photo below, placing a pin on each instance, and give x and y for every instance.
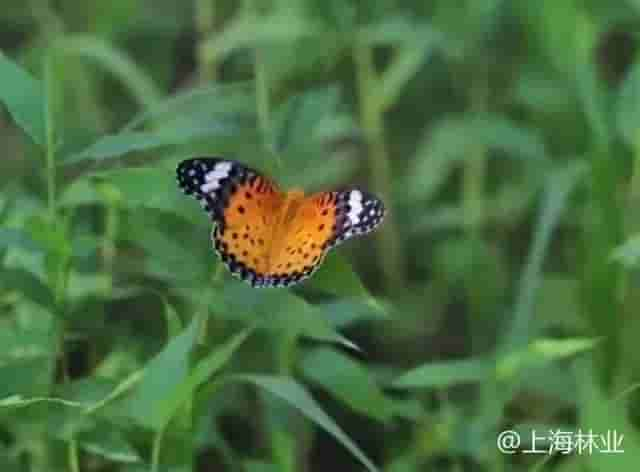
(202, 371)
(294, 394)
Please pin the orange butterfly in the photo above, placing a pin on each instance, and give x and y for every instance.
(268, 237)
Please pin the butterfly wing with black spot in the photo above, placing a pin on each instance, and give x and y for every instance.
(322, 221)
(243, 204)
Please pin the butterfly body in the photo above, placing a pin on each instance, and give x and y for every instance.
(269, 237)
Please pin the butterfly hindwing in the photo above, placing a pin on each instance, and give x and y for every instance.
(322, 221)
(357, 213)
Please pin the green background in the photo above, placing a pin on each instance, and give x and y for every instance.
(499, 294)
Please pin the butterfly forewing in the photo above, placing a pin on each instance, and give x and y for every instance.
(243, 204)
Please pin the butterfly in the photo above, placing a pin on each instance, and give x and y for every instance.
(269, 237)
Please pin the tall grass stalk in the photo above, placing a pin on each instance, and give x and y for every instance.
(155, 451)
(49, 111)
(475, 168)
(473, 198)
(371, 117)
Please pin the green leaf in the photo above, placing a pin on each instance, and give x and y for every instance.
(23, 97)
(628, 107)
(201, 373)
(451, 140)
(542, 351)
(80, 192)
(248, 29)
(152, 188)
(335, 276)
(278, 309)
(405, 66)
(28, 285)
(348, 381)
(174, 323)
(446, 374)
(628, 253)
(142, 87)
(349, 311)
(235, 99)
(18, 401)
(13, 237)
(167, 369)
(298, 132)
(117, 145)
(255, 466)
(298, 397)
(109, 444)
(599, 414)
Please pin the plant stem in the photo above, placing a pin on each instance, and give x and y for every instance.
(371, 117)
(473, 198)
(49, 111)
(74, 463)
(263, 106)
(60, 280)
(475, 169)
(155, 453)
(205, 20)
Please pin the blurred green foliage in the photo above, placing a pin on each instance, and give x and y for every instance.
(498, 295)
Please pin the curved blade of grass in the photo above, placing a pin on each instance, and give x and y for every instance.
(24, 98)
(555, 199)
(294, 394)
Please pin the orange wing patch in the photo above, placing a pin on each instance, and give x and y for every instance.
(250, 218)
(304, 238)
